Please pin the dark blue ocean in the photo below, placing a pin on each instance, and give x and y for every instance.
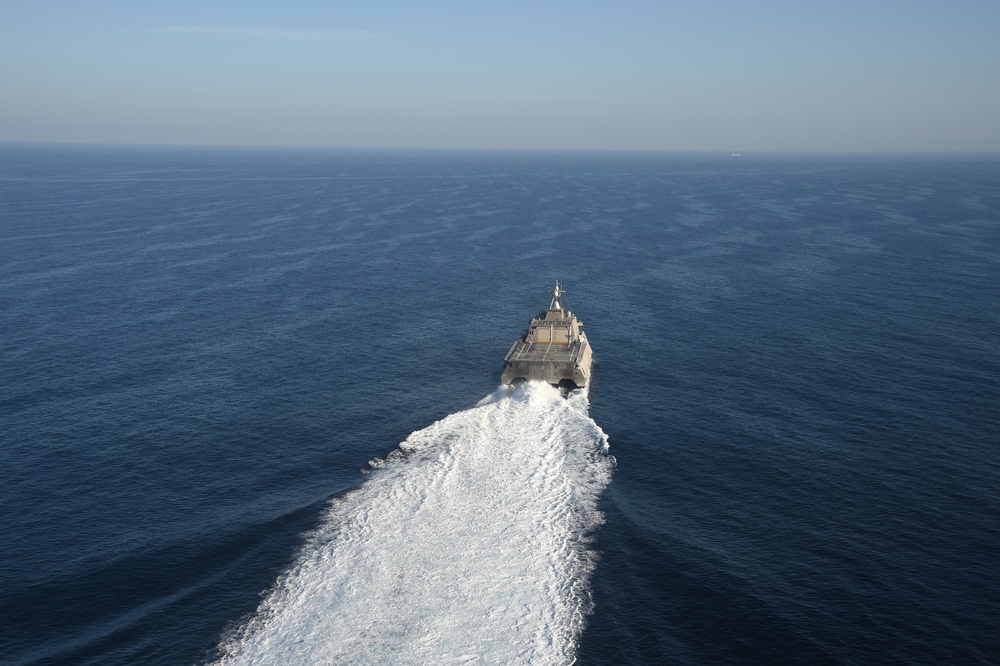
(249, 409)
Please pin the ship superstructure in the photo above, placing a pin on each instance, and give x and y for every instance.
(554, 349)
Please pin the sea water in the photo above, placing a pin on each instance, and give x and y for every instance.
(249, 408)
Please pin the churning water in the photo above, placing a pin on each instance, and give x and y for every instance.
(469, 543)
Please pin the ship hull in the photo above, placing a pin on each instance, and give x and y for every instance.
(560, 365)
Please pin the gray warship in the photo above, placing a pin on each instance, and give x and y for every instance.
(554, 349)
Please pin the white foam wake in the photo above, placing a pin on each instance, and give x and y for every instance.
(469, 544)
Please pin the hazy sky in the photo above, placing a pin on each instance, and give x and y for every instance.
(707, 75)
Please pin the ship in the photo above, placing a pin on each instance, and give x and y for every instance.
(554, 349)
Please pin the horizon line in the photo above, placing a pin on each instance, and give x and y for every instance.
(735, 154)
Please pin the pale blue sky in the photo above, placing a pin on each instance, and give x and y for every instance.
(713, 75)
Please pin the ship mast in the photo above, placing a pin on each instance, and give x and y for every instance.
(557, 293)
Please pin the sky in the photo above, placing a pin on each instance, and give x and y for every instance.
(869, 76)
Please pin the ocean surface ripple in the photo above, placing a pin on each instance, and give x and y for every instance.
(796, 365)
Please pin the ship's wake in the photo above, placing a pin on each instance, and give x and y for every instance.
(468, 544)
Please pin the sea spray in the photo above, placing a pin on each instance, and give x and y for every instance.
(470, 543)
